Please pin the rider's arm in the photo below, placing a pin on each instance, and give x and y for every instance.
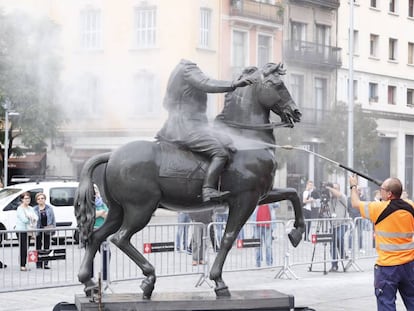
(194, 76)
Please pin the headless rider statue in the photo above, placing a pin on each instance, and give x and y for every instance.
(187, 124)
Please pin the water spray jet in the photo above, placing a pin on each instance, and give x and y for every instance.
(290, 147)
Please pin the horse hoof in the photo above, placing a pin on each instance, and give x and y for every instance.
(295, 236)
(222, 291)
(147, 287)
(91, 289)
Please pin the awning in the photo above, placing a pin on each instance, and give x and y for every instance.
(29, 160)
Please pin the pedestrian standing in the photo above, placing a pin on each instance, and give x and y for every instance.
(182, 231)
(46, 220)
(393, 220)
(308, 202)
(263, 231)
(338, 212)
(26, 220)
(101, 211)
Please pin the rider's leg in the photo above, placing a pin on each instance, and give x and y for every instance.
(210, 191)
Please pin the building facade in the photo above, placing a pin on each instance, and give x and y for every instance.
(383, 74)
(312, 56)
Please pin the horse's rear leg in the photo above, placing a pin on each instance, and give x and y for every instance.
(135, 219)
(239, 212)
(111, 225)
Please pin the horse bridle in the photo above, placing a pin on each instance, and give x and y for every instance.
(259, 127)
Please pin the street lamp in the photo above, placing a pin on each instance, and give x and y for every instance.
(7, 113)
(351, 86)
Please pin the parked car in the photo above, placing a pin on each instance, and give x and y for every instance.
(59, 194)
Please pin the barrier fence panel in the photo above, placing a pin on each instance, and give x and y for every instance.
(64, 257)
(327, 240)
(364, 239)
(259, 245)
(157, 242)
(325, 234)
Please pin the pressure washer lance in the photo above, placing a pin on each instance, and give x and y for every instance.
(290, 147)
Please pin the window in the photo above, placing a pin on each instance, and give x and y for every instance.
(239, 52)
(89, 92)
(323, 37)
(392, 49)
(409, 161)
(373, 92)
(296, 89)
(355, 88)
(373, 45)
(356, 42)
(145, 27)
(392, 93)
(320, 94)
(410, 97)
(62, 196)
(90, 29)
(373, 3)
(392, 7)
(145, 97)
(205, 27)
(410, 53)
(297, 35)
(263, 50)
(411, 8)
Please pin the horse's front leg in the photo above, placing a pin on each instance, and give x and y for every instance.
(279, 194)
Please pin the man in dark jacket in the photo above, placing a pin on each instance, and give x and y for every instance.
(187, 124)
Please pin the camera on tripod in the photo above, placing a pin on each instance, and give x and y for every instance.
(325, 194)
(325, 197)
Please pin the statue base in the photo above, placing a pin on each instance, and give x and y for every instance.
(264, 300)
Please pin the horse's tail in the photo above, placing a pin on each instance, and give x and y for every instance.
(85, 197)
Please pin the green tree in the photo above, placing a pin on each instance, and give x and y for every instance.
(334, 134)
(29, 78)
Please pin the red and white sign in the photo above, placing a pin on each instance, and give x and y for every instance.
(32, 256)
(147, 248)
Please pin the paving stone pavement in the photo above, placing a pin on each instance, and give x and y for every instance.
(350, 291)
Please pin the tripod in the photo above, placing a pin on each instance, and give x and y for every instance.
(322, 234)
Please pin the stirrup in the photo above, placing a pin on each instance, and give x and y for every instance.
(211, 194)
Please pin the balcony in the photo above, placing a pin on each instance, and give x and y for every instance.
(272, 13)
(330, 4)
(312, 54)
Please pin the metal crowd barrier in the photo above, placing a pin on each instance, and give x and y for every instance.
(316, 252)
(64, 259)
(160, 245)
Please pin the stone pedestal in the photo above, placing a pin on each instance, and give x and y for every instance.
(264, 300)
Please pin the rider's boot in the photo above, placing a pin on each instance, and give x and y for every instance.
(210, 192)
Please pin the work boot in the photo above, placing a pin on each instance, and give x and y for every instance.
(211, 194)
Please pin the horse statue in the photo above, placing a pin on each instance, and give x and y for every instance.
(134, 186)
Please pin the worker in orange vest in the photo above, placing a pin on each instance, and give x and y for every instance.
(393, 220)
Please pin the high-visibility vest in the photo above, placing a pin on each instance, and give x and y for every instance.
(393, 235)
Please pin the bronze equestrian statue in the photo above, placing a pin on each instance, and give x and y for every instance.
(141, 176)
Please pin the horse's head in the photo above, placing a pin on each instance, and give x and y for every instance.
(273, 94)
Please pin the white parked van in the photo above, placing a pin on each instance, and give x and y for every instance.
(59, 194)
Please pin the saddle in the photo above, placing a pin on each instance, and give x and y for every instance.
(179, 162)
